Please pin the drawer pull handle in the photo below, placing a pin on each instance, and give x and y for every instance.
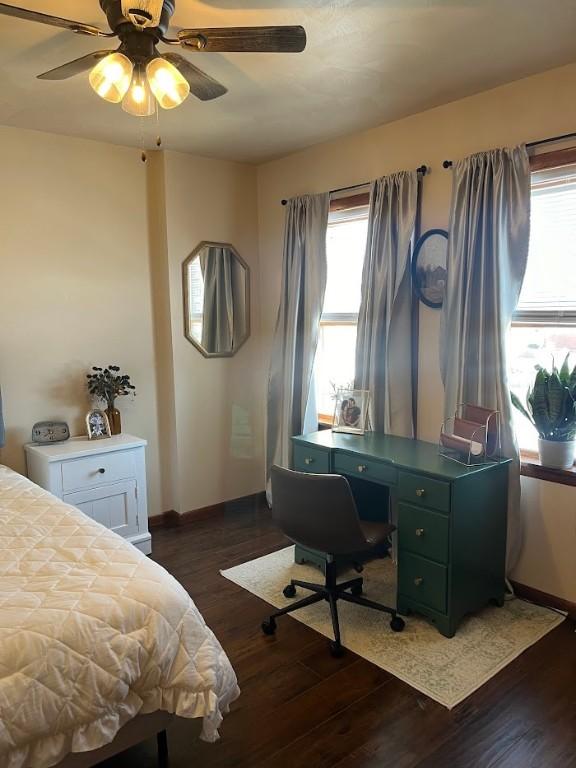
(362, 468)
(101, 470)
(419, 531)
(420, 492)
(308, 460)
(418, 581)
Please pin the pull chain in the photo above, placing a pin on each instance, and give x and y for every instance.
(144, 153)
(158, 137)
(143, 156)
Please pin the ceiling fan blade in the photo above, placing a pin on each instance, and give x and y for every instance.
(74, 67)
(53, 21)
(202, 85)
(245, 39)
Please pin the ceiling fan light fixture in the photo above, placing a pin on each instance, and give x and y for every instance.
(143, 13)
(168, 85)
(139, 100)
(111, 77)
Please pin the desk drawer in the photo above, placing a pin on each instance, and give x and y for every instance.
(423, 581)
(424, 490)
(360, 466)
(307, 459)
(93, 471)
(423, 532)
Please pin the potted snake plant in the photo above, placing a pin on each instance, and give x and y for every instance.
(551, 409)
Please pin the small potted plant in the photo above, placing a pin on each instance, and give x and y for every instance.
(551, 409)
(107, 384)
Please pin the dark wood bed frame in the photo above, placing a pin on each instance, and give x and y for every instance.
(139, 729)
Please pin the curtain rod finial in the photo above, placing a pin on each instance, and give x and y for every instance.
(284, 202)
(447, 164)
(422, 169)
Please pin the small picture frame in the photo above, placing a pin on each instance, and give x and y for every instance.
(351, 411)
(97, 425)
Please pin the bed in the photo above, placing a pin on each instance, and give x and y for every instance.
(99, 645)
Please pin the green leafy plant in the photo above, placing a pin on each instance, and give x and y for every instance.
(551, 403)
(108, 383)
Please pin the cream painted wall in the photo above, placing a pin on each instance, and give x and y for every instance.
(529, 109)
(74, 285)
(212, 398)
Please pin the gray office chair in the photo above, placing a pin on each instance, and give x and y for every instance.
(319, 512)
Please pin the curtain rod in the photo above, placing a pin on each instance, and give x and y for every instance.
(422, 170)
(552, 139)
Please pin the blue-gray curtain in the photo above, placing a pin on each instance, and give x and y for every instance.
(383, 347)
(218, 325)
(487, 254)
(297, 327)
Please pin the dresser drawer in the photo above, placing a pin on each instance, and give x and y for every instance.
(369, 469)
(423, 532)
(308, 459)
(92, 471)
(424, 490)
(423, 581)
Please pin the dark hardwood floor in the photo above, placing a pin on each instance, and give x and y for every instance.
(301, 708)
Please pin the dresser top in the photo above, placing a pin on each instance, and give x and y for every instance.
(82, 446)
(401, 452)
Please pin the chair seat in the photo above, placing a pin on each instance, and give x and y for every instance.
(376, 533)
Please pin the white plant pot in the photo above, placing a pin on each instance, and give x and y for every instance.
(556, 454)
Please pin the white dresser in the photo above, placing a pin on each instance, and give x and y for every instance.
(106, 479)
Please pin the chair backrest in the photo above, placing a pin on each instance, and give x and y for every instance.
(317, 511)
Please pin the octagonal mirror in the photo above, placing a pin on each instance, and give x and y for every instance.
(216, 299)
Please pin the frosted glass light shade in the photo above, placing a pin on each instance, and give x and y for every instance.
(139, 100)
(167, 84)
(111, 77)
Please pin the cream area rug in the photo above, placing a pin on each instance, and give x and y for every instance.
(447, 670)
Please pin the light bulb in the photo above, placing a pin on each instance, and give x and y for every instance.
(139, 100)
(168, 85)
(110, 78)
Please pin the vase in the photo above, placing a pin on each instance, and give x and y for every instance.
(115, 420)
(556, 454)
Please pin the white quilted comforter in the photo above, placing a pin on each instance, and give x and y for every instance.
(92, 633)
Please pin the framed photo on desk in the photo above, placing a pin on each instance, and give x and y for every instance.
(351, 411)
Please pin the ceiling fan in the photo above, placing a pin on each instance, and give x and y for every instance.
(136, 74)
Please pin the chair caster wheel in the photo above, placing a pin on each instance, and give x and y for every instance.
(269, 626)
(397, 624)
(356, 591)
(289, 591)
(336, 650)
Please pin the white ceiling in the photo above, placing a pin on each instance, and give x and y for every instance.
(367, 62)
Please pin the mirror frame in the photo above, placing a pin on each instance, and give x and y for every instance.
(417, 248)
(185, 263)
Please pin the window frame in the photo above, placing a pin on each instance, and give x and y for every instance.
(348, 204)
(530, 463)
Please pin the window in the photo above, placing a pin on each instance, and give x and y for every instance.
(196, 299)
(335, 358)
(544, 325)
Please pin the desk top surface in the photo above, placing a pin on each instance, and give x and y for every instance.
(402, 452)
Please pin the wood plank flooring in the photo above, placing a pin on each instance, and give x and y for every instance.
(300, 708)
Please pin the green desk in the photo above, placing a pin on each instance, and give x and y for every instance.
(451, 518)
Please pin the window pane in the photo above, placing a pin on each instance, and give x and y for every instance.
(550, 281)
(530, 346)
(334, 363)
(345, 246)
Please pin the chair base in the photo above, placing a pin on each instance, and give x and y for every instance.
(349, 591)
